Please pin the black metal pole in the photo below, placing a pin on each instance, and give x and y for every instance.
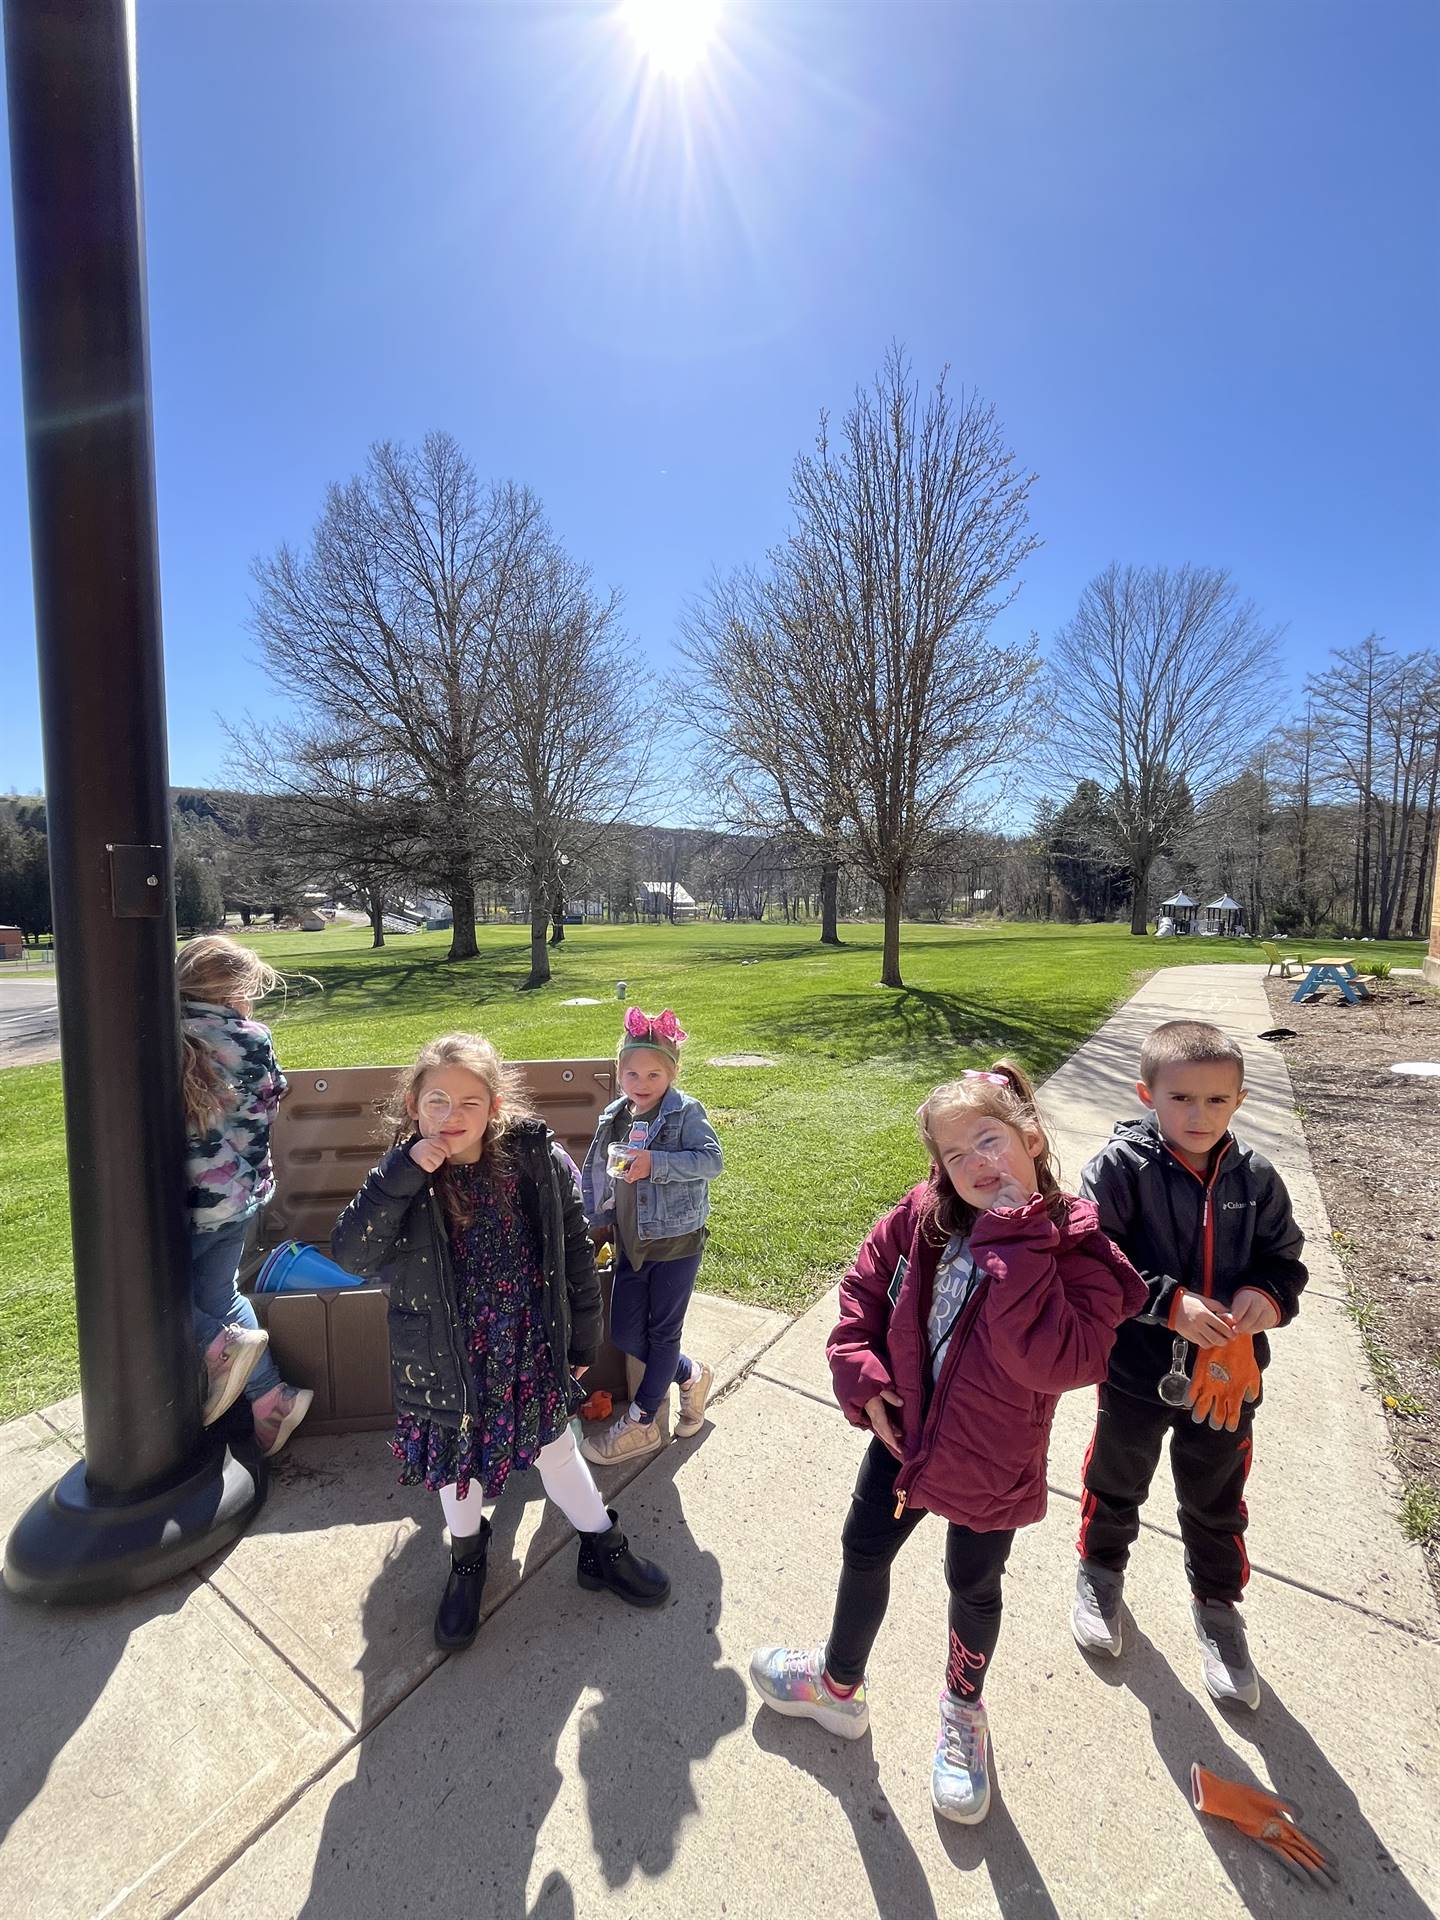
(155, 1494)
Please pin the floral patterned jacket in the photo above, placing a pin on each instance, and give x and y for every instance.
(228, 1173)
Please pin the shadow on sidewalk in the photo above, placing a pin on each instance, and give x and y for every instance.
(452, 1791)
(1015, 1880)
(847, 1770)
(55, 1664)
(1371, 1882)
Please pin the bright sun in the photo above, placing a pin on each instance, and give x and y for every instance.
(673, 35)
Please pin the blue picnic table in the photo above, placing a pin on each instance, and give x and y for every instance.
(1336, 971)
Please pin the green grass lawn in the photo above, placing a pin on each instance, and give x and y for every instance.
(814, 1148)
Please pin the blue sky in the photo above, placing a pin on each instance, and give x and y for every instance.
(1188, 250)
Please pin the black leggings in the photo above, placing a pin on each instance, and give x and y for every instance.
(871, 1539)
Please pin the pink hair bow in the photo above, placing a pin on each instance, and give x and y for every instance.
(992, 1079)
(653, 1026)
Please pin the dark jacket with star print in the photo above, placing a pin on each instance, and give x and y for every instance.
(394, 1231)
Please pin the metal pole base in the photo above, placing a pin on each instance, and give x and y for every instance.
(68, 1547)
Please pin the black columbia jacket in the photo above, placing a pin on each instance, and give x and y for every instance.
(1187, 1233)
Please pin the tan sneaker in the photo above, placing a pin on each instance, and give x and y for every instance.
(624, 1439)
(230, 1359)
(277, 1414)
(693, 1396)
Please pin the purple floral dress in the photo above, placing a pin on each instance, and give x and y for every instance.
(516, 1389)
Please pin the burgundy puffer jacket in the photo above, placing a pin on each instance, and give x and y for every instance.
(1041, 1318)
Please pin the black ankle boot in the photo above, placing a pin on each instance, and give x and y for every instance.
(458, 1620)
(606, 1561)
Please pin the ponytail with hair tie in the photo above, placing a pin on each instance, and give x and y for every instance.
(1012, 1101)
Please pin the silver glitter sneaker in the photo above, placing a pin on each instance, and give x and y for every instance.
(960, 1778)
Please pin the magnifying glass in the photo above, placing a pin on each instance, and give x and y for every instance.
(434, 1108)
(990, 1150)
(1175, 1385)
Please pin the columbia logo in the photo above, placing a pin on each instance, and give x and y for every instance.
(1235, 1206)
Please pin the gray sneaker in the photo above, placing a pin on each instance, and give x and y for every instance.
(1095, 1616)
(1225, 1654)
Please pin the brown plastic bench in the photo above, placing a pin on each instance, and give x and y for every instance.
(327, 1137)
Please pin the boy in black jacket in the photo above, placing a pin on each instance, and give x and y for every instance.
(1208, 1223)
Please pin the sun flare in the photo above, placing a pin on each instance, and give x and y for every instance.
(672, 35)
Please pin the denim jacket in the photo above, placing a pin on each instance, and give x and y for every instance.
(685, 1157)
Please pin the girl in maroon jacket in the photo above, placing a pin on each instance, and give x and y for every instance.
(970, 1308)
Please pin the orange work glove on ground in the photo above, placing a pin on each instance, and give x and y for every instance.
(1264, 1818)
(1222, 1380)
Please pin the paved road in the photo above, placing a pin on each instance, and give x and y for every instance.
(29, 1022)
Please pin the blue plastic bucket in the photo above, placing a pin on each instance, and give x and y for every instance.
(296, 1269)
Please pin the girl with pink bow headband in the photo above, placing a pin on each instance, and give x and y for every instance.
(646, 1188)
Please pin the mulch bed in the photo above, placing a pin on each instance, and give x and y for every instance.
(1374, 1137)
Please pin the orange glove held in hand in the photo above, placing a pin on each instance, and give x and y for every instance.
(1264, 1818)
(1223, 1380)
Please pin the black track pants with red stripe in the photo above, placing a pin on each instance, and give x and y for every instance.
(1209, 1469)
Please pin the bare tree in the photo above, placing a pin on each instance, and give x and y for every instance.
(1160, 687)
(388, 628)
(1379, 746)
(911, 528)
(868, 700)
(335, 810)
(750, 700)
(570, 749)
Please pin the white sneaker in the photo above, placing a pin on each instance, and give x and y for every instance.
(693, 1396)
(1230, 1679)
(230, 1359)
(792, 1681)
(624, 1439)
(960, 1777)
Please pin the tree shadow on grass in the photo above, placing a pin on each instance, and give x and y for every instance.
(923, 1029)
(399, 986)
(354, 987)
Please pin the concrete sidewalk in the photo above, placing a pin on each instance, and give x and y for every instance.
(277, 1737)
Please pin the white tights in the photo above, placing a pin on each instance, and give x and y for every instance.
(566, 1477)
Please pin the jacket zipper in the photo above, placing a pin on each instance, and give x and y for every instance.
(438, 1247)
(961, 1334)
(1207, 1221)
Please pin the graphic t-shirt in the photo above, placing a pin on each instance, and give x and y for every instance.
(633, 1133)
(955, 1279)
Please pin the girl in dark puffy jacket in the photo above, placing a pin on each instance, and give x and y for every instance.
(970, 1308)
(474, 1219)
